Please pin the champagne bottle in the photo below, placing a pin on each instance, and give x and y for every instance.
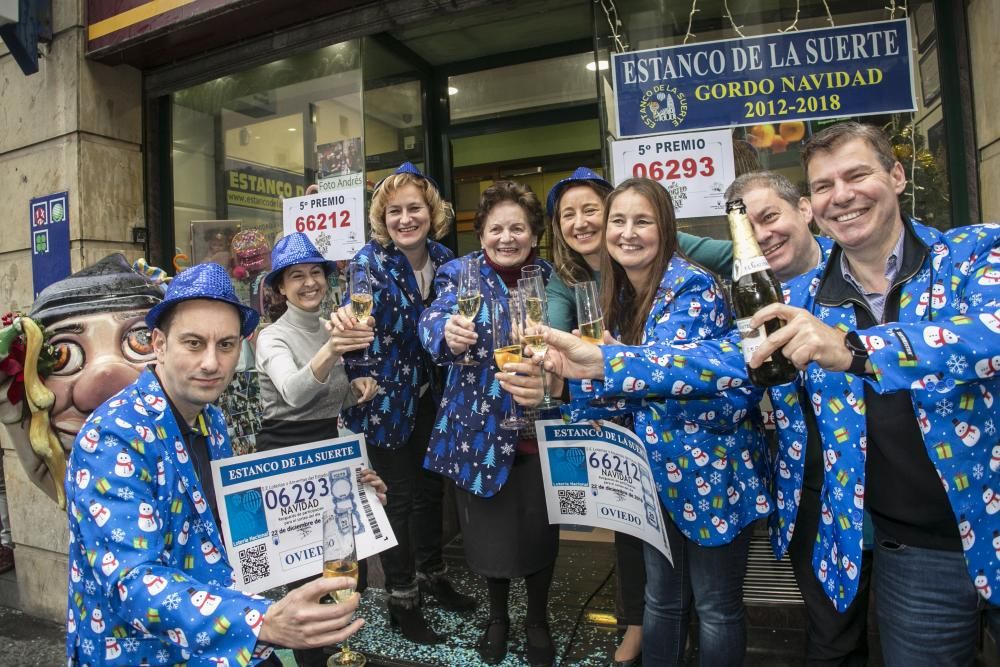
(754, 286)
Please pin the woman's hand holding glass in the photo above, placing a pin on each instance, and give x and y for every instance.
(361, 303)
(523, 381)
(459, 334)
(348, 334)
(573, 358)
(507, 354)
(460, 330)
(534, 322)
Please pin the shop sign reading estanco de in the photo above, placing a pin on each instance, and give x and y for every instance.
(853, 70)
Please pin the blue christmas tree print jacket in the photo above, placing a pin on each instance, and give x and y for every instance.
(467, 443)
(707, 453)
(403, 366)
(148, 575)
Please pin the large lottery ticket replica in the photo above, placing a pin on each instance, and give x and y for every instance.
(271, 505)
(600, 478)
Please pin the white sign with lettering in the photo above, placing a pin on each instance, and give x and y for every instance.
(694, 167)
(271, 507)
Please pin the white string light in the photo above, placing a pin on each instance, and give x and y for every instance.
(614, 23)
(694, 9)
(893, 7)
(829, 16)
(729, 15)
(795, 23)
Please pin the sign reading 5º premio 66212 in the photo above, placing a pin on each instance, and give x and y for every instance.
(853, 70)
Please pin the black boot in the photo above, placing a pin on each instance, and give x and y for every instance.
(441, 589)
(541, 651)
(492, 646)
(405, 614)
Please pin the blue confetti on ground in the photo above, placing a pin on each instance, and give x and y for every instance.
(580, 570)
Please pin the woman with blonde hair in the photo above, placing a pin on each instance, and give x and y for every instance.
(406, 212)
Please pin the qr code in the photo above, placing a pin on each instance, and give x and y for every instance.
(254, 563)
(572, 502)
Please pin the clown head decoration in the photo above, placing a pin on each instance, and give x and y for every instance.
(85, 339)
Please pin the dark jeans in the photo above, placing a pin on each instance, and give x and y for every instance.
(711, 578)
(414, 506)
(832, 638)
(928, 609)
(630, 575)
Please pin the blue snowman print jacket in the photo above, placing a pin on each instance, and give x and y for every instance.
(149, 582)
(945, 350)
(403, 366)
(467, 443)
(707, 453)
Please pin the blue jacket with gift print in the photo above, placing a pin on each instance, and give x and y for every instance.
(467, 443)
(944, 349)
(148, 575)
(706, 454)
(403, 366)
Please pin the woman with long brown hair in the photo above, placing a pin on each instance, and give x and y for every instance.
(705, 455)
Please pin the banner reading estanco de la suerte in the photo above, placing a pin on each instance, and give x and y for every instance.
(854, 70)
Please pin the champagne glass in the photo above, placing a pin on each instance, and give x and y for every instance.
(590, 321)
(468, 301)
(535, 306)
(507, 350)
(361, 303)
(588, 313)
(530, 271)
(340, 559)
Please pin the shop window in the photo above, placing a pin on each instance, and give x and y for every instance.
(503, 91)
(394, 119)
(243, 142)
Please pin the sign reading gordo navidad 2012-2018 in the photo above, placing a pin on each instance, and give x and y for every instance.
(853, 70)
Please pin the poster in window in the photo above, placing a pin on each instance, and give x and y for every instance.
(339, 158)
(923, 22)
(930, 82)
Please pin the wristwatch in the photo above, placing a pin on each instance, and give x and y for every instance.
(859, 354)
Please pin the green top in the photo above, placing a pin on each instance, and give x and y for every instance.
(713, 254)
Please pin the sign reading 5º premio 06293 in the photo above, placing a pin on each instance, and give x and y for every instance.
(694, 167)
(853, 70)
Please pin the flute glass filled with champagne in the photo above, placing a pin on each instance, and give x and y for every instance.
(469, 300)
(507, 350)
(535, 321)
(590, 321)
(362, 300)
(340, 559)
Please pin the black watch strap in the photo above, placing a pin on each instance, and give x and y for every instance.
(858, 352)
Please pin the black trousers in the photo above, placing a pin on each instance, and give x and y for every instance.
(832, 638)
(414, 505)
(630, 577)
